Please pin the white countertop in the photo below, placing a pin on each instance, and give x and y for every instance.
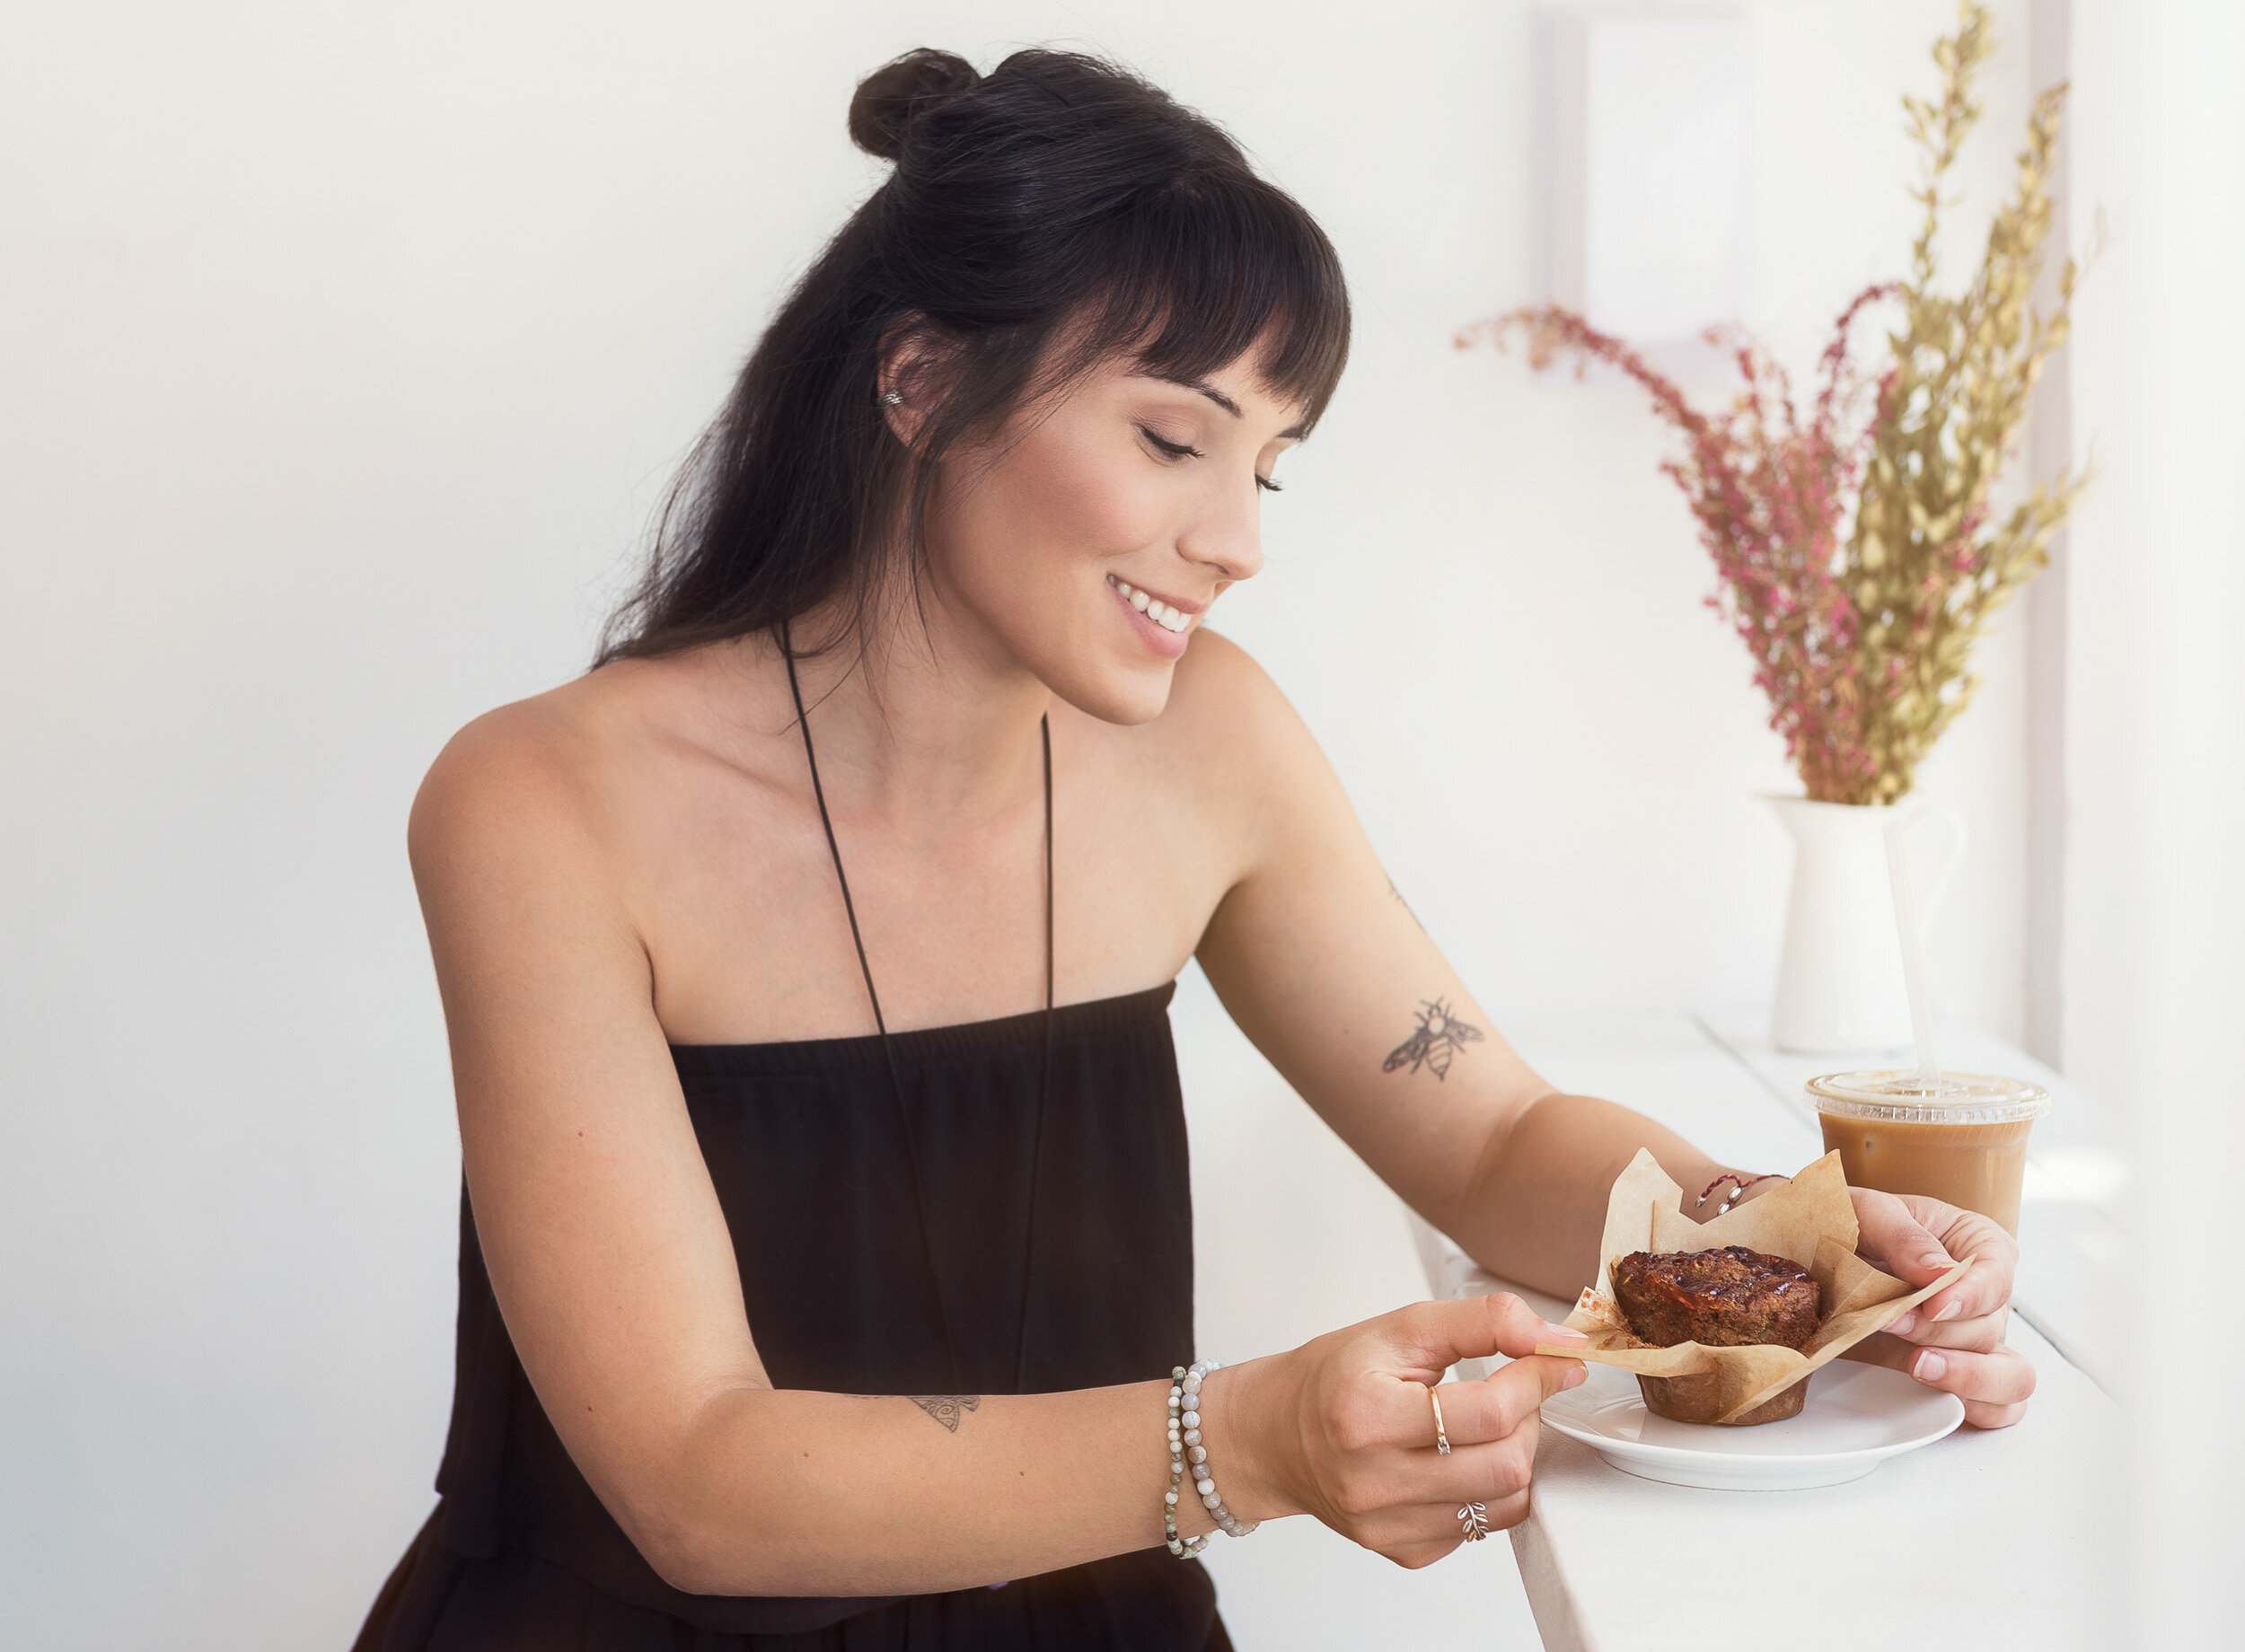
(1985, 1540)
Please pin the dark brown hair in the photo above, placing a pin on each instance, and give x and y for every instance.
(1058, 196)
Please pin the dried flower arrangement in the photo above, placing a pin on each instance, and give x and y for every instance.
(1859, 553)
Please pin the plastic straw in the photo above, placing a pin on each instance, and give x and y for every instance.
(1912, 955)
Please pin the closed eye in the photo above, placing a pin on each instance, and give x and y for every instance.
(1174, 449)
(1180, 450)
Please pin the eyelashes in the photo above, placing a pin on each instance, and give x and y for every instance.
(1174, 449)
(1181, 450)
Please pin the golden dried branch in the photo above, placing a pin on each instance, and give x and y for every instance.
(1927, 565)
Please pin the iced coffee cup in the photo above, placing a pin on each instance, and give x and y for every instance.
(1962, 1140)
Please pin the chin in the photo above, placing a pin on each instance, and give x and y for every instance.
(1113, 691)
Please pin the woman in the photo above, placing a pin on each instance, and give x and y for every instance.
(805, 967)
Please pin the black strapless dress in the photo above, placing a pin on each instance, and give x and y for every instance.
(805, 1146)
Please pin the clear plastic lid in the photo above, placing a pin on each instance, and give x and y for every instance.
(1896, 1097)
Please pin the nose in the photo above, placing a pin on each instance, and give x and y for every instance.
(1226, 532)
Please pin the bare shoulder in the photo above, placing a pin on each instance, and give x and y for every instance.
(1215, 668)
(526, 785)
(1240, 783)
(1229, 724)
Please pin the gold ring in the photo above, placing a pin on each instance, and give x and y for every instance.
(1441, 1439)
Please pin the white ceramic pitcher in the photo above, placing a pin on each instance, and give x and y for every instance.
(1839, 978)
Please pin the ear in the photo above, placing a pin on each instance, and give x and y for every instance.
(913, 357)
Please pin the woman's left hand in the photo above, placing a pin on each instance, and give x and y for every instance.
(1953, 1340)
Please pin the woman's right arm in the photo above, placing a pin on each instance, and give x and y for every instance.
(614, 1269)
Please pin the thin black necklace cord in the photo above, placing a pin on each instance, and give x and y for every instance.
(1044, 1086)
(896, 1083)
(888, 1052)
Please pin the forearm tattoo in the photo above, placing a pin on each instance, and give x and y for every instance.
(1434, 1043)
(946, 1409)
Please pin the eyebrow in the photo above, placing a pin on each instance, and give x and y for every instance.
(1293, 434)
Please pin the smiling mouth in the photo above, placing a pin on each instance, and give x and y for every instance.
(1160, 612)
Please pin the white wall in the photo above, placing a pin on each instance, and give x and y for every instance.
(346, 347)
(2154, 974)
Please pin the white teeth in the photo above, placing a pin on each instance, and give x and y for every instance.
(1159, 612)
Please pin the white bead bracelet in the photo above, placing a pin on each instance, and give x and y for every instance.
(1186, 1443)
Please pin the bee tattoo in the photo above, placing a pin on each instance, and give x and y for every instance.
(1434, 1042)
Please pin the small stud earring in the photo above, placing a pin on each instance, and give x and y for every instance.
(893, 397)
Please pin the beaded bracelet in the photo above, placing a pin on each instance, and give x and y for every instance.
(1184, 1441)
(1737, 1191)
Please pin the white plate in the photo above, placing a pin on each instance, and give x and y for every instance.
(1857, 1416)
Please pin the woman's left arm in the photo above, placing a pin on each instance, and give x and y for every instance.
(1324, 966)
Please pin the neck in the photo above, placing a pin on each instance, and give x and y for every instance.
(923, 724)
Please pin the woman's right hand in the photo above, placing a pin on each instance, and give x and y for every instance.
(1342, 1428)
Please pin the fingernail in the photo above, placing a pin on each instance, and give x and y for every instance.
(1576, 1377)
(1930, 1366)
(1904, 1324)
(1948, 1310)
(1564, 1330)
(1940, 1261)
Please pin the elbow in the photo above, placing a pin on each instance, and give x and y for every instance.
(675, 1551)
(696, 1537)
(689, 1567)
(694, 1559)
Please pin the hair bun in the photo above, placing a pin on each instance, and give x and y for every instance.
(887, 99)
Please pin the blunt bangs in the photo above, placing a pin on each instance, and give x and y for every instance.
(1214, 268)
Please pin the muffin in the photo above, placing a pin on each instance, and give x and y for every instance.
(1732, 1297)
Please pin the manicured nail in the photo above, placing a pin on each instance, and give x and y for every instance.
(1930, 1368)
(1904, 1324)
(1948, 1310)
(1576, 1377)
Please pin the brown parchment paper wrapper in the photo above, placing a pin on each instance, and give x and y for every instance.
(1810, 1221)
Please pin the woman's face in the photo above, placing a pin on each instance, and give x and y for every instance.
(1089, 538)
